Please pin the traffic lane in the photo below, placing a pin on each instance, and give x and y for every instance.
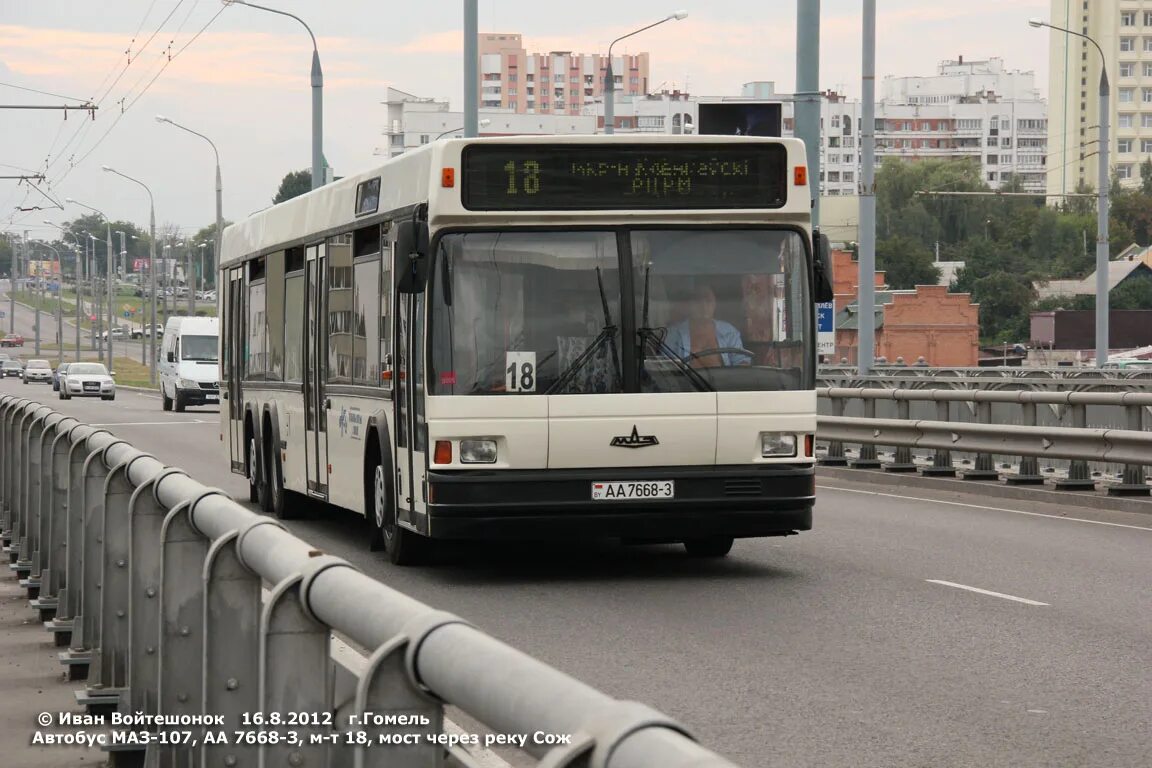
(1096, 568)
(841, 645)
(833, 639)
(188, 440)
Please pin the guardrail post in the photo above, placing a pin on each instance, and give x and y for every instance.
(1029, 472)
(231, 682)
(296, 672)
(902, 460)
(144, 577)
(57, 582)
(97, 697)
(5, 507)
(182, 554)
(33, 476)
(1132, 481)
(834, 457)
(1079, 475)
(984, 467)
(46, 601)
(389, 687)
(23, 564)
(866, 459)
(941, 458)
(114, 583)
(71, 607)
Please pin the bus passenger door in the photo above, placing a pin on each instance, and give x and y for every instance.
(411, 432)
(315, 372)
(233, 347)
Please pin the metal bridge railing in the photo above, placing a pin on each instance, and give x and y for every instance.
(1045, 425)
(176, 604)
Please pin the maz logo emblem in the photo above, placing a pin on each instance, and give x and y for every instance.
(634, 440)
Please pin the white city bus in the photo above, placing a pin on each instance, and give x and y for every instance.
(534, 337)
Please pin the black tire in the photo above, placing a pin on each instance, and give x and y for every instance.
(62, 396)
(712, 546)
(404, 547)
(255, 481)
(178, 403)
(167, 401)
(277, 495)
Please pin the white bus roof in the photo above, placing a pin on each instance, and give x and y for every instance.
(331, 208)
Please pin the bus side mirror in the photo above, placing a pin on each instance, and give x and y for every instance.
(822, 268)
(412, 256)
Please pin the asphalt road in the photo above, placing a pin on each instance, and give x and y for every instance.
(858, 644)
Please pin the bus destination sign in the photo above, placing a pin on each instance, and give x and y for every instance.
(570, 177)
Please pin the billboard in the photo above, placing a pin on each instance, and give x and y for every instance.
(740, 118)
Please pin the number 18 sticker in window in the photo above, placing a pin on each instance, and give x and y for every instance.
(520, 371)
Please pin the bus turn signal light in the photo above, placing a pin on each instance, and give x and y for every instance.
(801, 176)
(447, 177)
(443, 452)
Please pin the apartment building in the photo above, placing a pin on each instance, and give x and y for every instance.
(554, 83)
(1123, 30)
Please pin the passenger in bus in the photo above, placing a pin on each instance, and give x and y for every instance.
(700, 331)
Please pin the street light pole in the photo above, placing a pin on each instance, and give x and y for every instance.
(151, 270)
(610, 79)
(317, 95)
(1102, 196)
(481, 124)
(471, 69)
(59, 310)
(219, 188)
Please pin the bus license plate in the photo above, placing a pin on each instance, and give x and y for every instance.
(629, 490)
(211, 398)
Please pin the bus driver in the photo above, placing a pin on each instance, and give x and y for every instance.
(700, 331)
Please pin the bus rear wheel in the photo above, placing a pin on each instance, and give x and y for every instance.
(257, 484)
(712, 546)
(404, 547)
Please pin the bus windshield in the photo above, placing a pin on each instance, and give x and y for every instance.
(539, 312)
(201, 348)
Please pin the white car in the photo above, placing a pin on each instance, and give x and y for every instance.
(38, 370)
(87, 380)
(117, 333)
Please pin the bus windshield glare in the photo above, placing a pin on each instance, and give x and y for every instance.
(706, 310)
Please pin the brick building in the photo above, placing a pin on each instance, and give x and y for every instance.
(928, 322)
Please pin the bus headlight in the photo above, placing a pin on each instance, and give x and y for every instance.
(775, 445)
(477, 451)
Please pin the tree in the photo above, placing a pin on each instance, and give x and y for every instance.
(293, 185)
(208, 235)
(906, 263)
(1146, 176)
(1005, 300)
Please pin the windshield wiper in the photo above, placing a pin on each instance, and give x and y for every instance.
(607, 334)
(648, 334)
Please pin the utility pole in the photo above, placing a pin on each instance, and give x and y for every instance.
(807, 108)
(866, 302)
(12, 292)
(471, 71)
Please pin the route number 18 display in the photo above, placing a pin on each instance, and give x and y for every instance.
(520, 372)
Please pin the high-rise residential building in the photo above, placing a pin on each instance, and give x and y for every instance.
(1123, 30)
(973, 109)
(555, 83)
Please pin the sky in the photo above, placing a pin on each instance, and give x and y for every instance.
(241, 77)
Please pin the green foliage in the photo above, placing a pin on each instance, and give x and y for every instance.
(293, 185)
(1007, 243)
(906, 263)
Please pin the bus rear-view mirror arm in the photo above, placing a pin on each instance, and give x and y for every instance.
(822, 268)
(412, 256)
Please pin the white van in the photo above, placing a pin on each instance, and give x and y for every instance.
(189, 362)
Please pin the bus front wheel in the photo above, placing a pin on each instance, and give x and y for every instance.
(712, 546)
(403, 546)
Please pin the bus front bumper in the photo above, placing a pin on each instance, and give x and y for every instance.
(736, 501)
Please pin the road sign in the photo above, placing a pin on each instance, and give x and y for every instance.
(826, 328)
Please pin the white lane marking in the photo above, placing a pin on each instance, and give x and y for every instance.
(982, 506)
(977, 590)
(150, 423)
